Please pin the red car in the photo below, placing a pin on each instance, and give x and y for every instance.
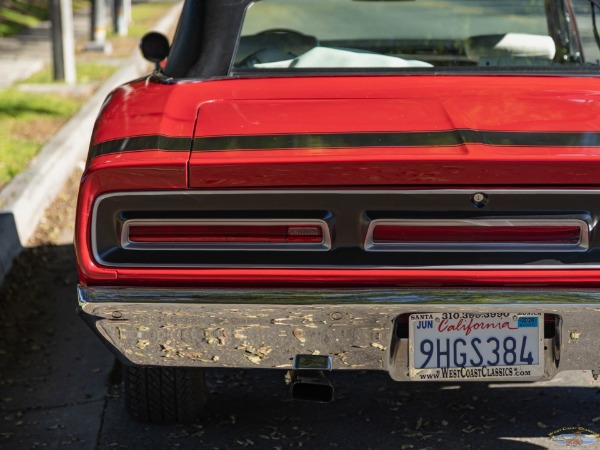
(315, 185)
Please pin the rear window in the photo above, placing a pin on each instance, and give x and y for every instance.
(414, 34)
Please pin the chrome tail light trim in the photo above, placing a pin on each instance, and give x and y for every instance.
(129, 244)
(548, 221)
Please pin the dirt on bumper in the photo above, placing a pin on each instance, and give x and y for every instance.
(360, 330)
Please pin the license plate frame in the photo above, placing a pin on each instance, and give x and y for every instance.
(507, 328)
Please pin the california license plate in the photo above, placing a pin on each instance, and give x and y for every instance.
(464, 346)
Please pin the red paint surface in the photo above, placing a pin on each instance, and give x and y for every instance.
(368, 104)
(384, 103)
(343, 104)
(476, 166)
(374, 278)
(143, 108)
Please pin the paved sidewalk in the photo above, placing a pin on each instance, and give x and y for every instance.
(27, 52)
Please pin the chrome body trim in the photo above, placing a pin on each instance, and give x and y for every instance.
(324, 245)
(581, 246)
(254, 328)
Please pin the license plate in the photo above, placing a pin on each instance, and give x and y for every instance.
(465, 346)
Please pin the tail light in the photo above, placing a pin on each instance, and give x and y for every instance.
(225, 235)
(477, 235)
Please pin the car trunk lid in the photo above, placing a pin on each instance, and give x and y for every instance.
(400, 131)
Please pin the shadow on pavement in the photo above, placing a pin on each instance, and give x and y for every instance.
(59, 389)
(252, 409)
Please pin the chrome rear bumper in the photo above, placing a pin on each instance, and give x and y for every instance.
(358, 328)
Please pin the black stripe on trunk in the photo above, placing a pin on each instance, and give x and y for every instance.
(408, 139)
(348, 140)
(139, 143)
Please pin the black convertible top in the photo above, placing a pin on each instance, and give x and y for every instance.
(205, 40)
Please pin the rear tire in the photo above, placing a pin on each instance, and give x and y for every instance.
(164, 394)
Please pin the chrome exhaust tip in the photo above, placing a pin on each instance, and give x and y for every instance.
(311, 386)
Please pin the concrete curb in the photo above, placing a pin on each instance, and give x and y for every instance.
(24, 200)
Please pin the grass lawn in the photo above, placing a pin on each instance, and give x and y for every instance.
(16, 15)
(87, 72)
(28, 120)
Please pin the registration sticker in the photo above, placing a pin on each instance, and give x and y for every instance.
(467, 346)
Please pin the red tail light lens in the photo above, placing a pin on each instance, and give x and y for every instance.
(517, 234)
(224, 234)
(461, 235)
